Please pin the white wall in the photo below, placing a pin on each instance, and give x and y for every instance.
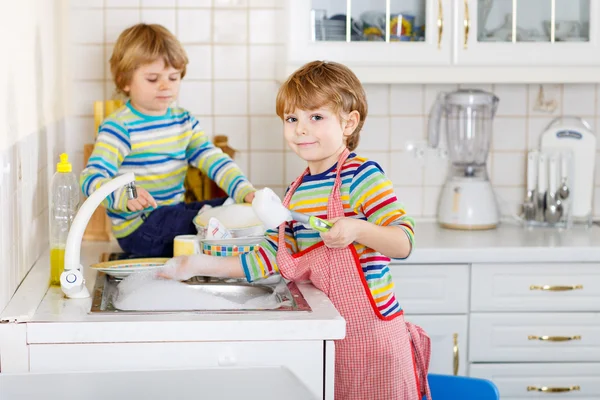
(31, 134)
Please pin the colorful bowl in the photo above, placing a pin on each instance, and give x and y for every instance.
(230, 247)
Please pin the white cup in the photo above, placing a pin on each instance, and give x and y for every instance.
(186, 245)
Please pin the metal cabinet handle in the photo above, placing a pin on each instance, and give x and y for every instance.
(467, 23)
(549, 389)
(557, 288)
(440, 23)
(554, 338)
(455, 351)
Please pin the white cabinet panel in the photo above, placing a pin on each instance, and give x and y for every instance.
(303, 358)
(526, 287)
(519, 337)
(580, 381)
(448, 356)
(432, 289)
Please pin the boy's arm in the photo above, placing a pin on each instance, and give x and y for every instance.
(262, 262)
(388, 229)
(111, 147)
(258, 264)
(218, 166)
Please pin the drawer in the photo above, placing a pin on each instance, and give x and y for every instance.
(528, 337)
(535, 287)
(527, 381)
(432, 289)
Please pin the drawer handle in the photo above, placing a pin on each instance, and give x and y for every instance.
(455, 351)
(467, 24)
(548, 389)
(440, 23)
(551, 288)
(554, 338)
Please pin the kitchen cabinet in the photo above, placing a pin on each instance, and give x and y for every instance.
(435, 297)
(304, 359)
(520, 324)
(448, 41)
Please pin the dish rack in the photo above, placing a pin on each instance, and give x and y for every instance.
(549, 177)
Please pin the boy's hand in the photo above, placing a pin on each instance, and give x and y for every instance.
(249, 197)
(179, 268)
(144, 200)
(344, 232)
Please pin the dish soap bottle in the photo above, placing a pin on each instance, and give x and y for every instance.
(64, 202)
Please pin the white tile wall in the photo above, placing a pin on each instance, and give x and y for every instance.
(32, 124)
(233, 46)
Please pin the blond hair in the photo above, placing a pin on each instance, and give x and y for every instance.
(324, 84)
(143, 44)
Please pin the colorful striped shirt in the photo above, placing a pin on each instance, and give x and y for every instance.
(158, 150)
(366, 194)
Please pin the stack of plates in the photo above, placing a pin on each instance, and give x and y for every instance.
(330, 30)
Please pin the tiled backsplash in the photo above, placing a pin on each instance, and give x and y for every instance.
(231, 87)
(31, 133)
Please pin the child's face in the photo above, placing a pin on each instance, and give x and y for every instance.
(154, 87)
(318, 136)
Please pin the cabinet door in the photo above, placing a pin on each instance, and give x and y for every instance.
(448, 334)
(519, 32)
(355, 32)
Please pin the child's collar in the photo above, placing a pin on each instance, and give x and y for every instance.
(146, 116)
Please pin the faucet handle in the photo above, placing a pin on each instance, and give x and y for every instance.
(131, 191)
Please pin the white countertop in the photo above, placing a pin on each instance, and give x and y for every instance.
(52, 318)
(508, 243)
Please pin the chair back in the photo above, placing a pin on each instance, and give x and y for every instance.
(449, 387)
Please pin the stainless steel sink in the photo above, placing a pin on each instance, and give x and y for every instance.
(287, 295)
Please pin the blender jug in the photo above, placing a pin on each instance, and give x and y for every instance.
(467, 200)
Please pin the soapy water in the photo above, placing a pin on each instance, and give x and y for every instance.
(268, 207)
(145, 292)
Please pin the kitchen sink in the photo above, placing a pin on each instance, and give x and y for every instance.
(285, 296)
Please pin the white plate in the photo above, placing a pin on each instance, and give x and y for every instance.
(124, 268)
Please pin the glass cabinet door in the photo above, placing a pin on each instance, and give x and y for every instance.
(533, 21)
(382, 32)
(369, 20)
(526, 32)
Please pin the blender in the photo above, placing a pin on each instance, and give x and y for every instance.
(467, 199)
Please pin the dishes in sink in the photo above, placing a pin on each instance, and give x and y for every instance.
(124, 268)
(239, 219)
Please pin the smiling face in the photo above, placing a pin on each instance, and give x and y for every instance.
(154, 87)
(318, 136)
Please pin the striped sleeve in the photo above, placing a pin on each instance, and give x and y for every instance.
(218, 166)
(112, 146)
(372, 194)
(263, 261)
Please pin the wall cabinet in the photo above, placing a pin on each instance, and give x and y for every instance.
(448, 41)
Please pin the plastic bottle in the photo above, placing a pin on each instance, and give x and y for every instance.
(63, 208)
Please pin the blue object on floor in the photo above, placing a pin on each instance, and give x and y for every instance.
(449, 387)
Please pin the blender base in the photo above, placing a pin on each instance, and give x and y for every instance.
(468, 204)
(468, 227)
